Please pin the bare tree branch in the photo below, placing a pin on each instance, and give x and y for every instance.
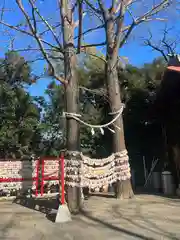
(47, 30)
(80, 13)
(127, 34)
(92, 7)
(123, 32)
(34, 17)
(39, 42)
(115, 13)
(74, 6)
(146, 17)
(104, 10)
(3, 9)
(51, 56)
(150, 44)
(120, 20)
(101, 91)
(96, 56)
(27, 33)
(164, 46)
(153, 11)
(113, 5)
(46, 23)
(94, 45)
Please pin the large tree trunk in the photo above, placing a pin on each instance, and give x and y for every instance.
(71, 96)
(123, 188)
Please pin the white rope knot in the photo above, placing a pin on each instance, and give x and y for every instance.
(66, 114)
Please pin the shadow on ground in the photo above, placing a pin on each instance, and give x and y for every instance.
(139, 215)
(145, 222)
(42, 205)
(143, 191)
(115, 228)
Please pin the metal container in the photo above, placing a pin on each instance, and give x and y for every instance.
(167, 183)
(111, 188)
(156, 181)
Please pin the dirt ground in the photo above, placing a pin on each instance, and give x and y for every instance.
(145, 217)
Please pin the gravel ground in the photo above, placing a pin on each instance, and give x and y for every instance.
(145, 217)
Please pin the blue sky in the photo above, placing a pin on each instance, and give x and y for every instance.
(134, 50)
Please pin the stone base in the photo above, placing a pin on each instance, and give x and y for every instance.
(63, 214)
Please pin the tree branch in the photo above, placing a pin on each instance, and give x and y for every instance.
(127, 34)
(39, 42)
(74, 6)
(94, 45)
(164, 46)
(91, 30)
(104, 11)
(92, 7)
(80, 14)
(101, 92)
(96, 56)
(34, 18)
(27, 33)
(170, 47)
(47, 30)
(3, 10)
(146, 17)
(154, 47)
(113, 5)
(149, 43)
(38, 50)
(153, 11)
(46, 23)
(122, 11)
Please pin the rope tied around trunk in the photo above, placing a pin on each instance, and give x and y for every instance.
(106, 125)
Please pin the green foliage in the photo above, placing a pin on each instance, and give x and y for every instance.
(19, 115)
(52, 124)
(138, 89)
(32, 125)
(14, 70)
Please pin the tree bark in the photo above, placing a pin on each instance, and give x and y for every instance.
(123, 188)
(71, 96)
